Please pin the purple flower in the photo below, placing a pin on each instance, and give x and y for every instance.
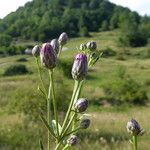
(79, 69)
(54, 43)
(36, 50)
(133, 127)
(48, 56)
(63, 38)
(81, 105)
(72, 140)
(91, 45)
(85, 123)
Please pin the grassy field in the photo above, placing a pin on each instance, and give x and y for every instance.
(108, 128)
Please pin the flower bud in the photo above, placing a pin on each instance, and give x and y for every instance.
(134, 128)
(91, 45)
(54, 43)
(72, 140)
(81, 105)
(85, 123)
(63, 38)
(83, 47)
(36, 50)
(79, 69)
(48, 56)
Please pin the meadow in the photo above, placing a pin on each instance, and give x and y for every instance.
(20, 100)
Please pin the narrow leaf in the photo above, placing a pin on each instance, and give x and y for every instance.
(47, 126)
(54, 127)
(41, 145)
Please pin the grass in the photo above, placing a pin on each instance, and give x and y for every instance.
(107, 131)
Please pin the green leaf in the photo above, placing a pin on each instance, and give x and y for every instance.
(55, 128)
(41, 145)
(47, 126)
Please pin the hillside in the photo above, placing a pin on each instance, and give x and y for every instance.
(44, 19)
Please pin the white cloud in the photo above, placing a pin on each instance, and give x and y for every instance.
(141, 6)
(7, 6)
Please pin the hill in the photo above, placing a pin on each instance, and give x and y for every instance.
(44, 19)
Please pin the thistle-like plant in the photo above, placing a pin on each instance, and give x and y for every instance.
(65, 134)
(135, 130)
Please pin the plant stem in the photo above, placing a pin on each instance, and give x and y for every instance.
(49, 111)
(54, 101)
(76, 85)
(40, 75)
(60, 50)
(134, 142)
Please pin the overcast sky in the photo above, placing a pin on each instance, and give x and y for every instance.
(142, 6)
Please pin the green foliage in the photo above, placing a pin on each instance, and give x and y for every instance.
(5, 40)
(66, 66)
(124, 89)
(16, 70)
(107, 52)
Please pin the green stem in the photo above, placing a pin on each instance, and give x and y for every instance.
(49, 112)
(58, 146)
(134, 142)
(54, 101)
(69, 124)
(40, 75)
(60, 50)
(76, 85)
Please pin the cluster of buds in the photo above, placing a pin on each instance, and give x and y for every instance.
(48, 51)
(90, 48)
(134, 128)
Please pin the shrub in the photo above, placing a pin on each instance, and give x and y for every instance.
(22, 60)
(124, 89)
(108, 52)
(16, 70)
(66, 66)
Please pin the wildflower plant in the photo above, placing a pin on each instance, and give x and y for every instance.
(135, 130)
(65, 134)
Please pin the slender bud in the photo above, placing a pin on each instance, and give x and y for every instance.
(63, 38)
(79, 69)
(36, 50)
(83, 47)
(134, 128)
(91, 45)
(48, 56)
(72, 140)
(81, 105)
(85, 123)
(54, 43)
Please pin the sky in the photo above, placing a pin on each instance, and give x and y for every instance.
(141, 6)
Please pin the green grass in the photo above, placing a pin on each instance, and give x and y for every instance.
(107, 131)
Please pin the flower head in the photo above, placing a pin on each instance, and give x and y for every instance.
(54, 43)
(134, 128)
(79, 69)
(85, 123)
(63, 38)
(91, 45)
(48, 56)
(36, 50)
(72, 140)
(81, 105)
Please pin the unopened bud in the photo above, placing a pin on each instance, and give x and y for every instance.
(85, 123)
(134, 128)
(81, 105)
(63, 38)
(72, 140)
(79, 69)
(83, 47)
(36, 50)
(91, 45)
(48, 56)
(54, 43)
